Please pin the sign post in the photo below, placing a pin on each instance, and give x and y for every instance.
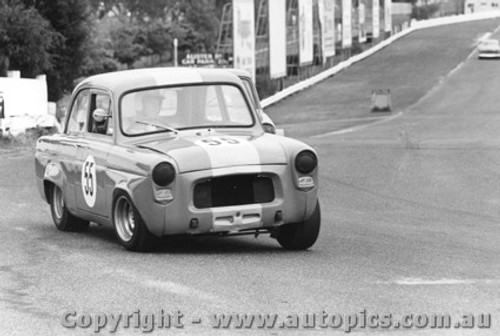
(176, 42)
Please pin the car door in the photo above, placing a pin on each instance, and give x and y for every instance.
(69, 142)
(92, 154)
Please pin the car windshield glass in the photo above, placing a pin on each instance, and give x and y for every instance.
(197, 106)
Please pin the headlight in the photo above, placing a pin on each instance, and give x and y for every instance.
(306, 162)
(163, 174)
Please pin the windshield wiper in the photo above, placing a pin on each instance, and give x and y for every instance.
(167, 128)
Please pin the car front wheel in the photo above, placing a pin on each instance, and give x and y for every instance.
(129, 226)
(62, 218)
(301, 236)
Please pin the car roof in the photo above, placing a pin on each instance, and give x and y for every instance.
(121, 81)
(240, 73)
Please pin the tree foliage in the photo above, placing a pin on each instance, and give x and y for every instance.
(147, 28)
(71, 19)
(68, 39)
(25, 40)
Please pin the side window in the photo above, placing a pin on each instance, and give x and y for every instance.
(102, 123)
(78, 113)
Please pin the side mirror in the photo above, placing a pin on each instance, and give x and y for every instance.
(268, 128)
(99, 115)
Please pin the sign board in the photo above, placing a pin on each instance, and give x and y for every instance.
(326, 9)
(375, 19)
(244, 35)
(388, 15)
(306, 45)
(346, 24)
(204, 59)
(362, 21)
(277, 38)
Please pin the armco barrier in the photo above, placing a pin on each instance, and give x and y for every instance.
(416, 25)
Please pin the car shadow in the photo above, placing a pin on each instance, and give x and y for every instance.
(195, 244)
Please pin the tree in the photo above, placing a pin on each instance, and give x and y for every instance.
(70, 19)
(193, 22)
(99, 57)
(129, 44)
(159, 38)
(25, 40)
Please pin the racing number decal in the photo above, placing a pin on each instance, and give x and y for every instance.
(220, 141)
(225, 151)
(89, 182)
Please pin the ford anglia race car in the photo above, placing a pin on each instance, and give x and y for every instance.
(176, 151)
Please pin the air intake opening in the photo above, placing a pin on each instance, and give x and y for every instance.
(233, 190)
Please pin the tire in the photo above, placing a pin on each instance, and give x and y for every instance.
(130, 229)
(62, 218)
(301, 236)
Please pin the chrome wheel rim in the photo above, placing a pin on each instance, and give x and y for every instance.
(124, 219)
(58, 202)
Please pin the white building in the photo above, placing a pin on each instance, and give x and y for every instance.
(23, 104)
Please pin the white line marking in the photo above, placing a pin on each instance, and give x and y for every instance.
(357, 128)
(437, 282)
(419, 281)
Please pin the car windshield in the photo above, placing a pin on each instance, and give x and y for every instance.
(175, 108)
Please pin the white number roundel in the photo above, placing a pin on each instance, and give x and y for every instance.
(89, 182)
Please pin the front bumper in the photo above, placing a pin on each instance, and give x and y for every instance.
(489, 54)
(180, 216)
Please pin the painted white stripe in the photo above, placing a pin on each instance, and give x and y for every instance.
(419, 281)
(409, 281)
(417, 25)
(228, 151)
(171, 77)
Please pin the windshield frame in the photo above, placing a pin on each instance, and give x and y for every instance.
(159, 87)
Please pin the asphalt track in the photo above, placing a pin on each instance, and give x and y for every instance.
(410, 204)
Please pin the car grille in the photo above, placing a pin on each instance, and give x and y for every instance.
(233, 190)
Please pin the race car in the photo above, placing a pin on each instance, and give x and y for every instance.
(489, 48)
(176, 151)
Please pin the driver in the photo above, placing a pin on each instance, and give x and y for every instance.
(148, 107)
(151, 104)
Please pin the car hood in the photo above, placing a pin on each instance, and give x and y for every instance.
(212, 150)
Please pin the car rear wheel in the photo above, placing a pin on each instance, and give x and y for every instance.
(129, 226)
(62, 218)
(301, 236)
